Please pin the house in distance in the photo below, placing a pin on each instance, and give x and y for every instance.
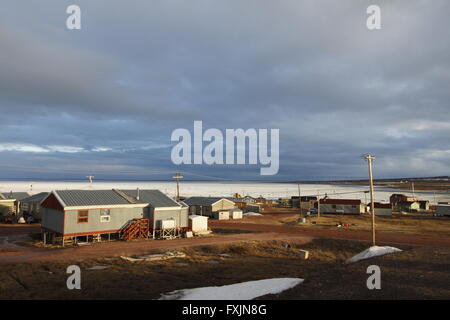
(214, 207)
(342, 206)
(10, 202)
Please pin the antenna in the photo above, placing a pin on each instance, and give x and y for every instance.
(177, 177)
(90, 178)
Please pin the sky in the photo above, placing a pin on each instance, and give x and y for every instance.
(104, 100)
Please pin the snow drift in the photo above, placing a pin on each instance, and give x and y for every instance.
(252, 214)
(373, 251)
(239, 291)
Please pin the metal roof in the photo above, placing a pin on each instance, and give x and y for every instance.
(38, 197)
(155, 197)
(15, 195)
(203, 201)
(340, 201)
(75, 198)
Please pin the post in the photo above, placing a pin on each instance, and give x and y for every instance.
(177, 177)
(369, 159)
(299, 198)
(318, 204)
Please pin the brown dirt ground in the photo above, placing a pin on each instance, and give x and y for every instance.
(429, 231)
(257, 249)
(415, 273)
(277, 225)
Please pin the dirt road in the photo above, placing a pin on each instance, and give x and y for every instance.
(334, 233)
(12, 229)
(11, 253)
(136, 247)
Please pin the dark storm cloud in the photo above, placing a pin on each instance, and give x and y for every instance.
(106, 98)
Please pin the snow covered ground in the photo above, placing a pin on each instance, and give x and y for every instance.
(373, 251)
(239, 291)
(252, 214)
(268, 190)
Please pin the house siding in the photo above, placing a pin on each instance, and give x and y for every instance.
(179, 215)
(53, 220)
(6, 206)
(222, 205)
(119, 218)
(342, 209)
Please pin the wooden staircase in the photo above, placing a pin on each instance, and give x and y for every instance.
(136, 229)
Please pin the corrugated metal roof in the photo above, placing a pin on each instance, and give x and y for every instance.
(203, 201)
(340, 201)
(155, 197)
(36, 198)
(76, 198)
(73, 198)
(15, 195)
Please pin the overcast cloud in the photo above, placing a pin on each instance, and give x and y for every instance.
(105, 99)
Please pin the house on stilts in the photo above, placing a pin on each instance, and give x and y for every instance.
(71, 216)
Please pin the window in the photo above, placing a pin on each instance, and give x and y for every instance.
(83, 216)
(334, 206)
(105, 215)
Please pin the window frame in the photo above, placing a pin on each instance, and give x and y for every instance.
(104, 218)
(83, 218)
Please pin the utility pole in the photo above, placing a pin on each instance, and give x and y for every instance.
(318, 204)
(299, 198)
(369, 159)
(413, 191)
(177, 177)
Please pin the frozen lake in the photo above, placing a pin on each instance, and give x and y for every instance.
(189, 188)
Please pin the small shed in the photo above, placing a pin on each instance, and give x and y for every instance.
(381, 209)
(443, 209)
(409, 206)
(198, 223)
(222, 215)
(236, 214)
(253, 208)
(208, 206)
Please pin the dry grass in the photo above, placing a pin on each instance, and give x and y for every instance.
(207, 266)
(407, 224)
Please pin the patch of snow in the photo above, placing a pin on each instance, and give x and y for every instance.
(97, 268)
(373, 251)
(158, 256)
(9, 241)
(239, 291)
(213, 261)
(252, 214)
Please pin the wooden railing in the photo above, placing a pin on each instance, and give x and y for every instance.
(136, 229)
